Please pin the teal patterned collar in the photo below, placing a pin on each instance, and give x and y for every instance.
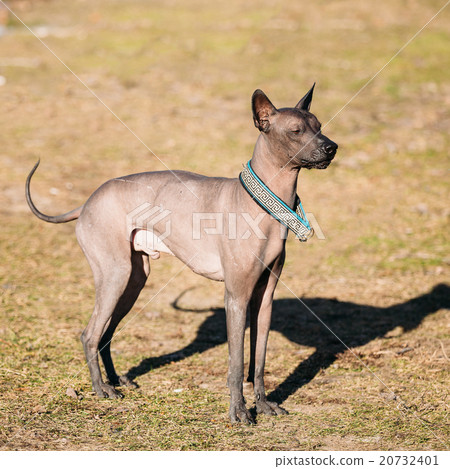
(272, 204)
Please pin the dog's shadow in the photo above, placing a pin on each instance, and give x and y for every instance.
(354, 324)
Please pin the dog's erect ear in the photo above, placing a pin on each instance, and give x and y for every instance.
(263, 110)
(305, 102)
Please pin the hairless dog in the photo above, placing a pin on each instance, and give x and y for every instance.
(214, 226)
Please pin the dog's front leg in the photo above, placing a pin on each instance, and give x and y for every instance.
(236, 311)
(260, 317)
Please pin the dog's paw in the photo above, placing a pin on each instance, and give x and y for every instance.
(108, 391)
(239, 413)
(125, 381)
(269, 408)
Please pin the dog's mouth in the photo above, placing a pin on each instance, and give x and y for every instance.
(320, 164)
(320, 158)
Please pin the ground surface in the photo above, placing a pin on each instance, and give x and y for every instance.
(180, 75)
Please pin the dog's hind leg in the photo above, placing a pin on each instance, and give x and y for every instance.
(139, 273)
(108, 292)
(118, 280)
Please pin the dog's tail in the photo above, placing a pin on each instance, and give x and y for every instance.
(65, 217)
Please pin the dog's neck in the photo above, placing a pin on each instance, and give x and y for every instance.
(280, 179)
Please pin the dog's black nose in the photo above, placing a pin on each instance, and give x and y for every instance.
(330, 148)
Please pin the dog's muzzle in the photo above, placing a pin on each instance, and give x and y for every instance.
(330, 150)
(322, 157)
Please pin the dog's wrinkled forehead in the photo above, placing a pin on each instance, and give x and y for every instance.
(298, 119)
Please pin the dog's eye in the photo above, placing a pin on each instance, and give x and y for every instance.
(296, 131)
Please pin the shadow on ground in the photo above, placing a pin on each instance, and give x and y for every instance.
(355, 325)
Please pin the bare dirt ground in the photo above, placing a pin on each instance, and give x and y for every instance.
(180, 75)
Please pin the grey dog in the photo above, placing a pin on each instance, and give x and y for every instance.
(249, 262)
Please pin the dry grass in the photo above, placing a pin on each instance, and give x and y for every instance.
(181, 76)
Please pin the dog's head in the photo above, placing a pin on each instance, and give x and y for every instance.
(293, 134)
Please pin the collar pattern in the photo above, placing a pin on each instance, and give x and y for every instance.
(272, 204)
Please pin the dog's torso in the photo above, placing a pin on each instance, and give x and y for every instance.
(209, 223)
